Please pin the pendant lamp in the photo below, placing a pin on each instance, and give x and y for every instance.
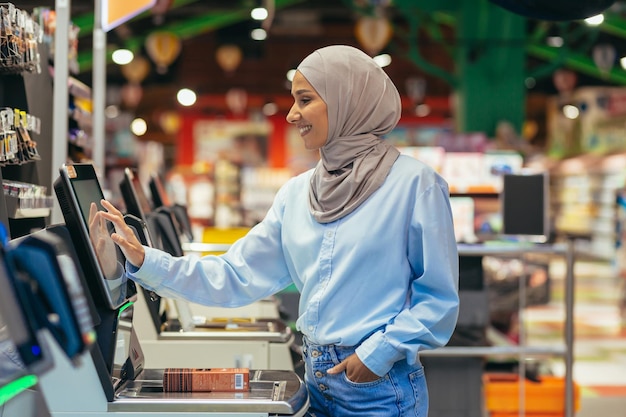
(163, 48)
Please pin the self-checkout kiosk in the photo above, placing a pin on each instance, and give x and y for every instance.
(42, 304)
(159, 201)
(21, 355)
(172, 334)
(111, 378)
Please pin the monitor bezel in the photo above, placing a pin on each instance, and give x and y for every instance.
(506, 232)
(158, 192)
(136, 200)
(79, 232)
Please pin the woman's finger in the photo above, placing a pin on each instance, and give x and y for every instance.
(111, 208)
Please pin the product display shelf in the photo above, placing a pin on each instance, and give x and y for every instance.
(32, 93)
(584, 191)
(523, 250)
(25, 208)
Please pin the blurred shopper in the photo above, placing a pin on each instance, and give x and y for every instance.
(366, 237)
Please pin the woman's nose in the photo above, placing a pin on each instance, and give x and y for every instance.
(293, 115)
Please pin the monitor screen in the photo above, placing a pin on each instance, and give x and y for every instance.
(524, 205)
(179, 212)
(103, 263)
(137, 203)
(159, 194)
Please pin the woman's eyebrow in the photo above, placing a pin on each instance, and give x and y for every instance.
(302, 91)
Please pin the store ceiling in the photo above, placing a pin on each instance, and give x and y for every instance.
(300, 26)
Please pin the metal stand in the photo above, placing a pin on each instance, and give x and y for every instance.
(566, 351)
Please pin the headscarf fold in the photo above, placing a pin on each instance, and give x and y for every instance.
(363, 104)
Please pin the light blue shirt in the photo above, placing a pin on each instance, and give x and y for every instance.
(384, 277)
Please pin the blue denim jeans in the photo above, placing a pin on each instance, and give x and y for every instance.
(402, 392)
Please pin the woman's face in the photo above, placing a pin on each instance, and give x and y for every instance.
(308, 113)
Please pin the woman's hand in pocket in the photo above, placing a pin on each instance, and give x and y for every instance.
(355, 370)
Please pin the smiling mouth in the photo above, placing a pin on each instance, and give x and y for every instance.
(305, 129)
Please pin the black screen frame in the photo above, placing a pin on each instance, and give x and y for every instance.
(135, 199)
(74, 214)
(157, 190)
(524, 203)
(161, 200)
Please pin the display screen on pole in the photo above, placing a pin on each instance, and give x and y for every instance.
(525, 206)
(76, 188)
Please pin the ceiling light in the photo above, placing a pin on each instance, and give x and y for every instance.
(259, 13)
(258, 34)
(270, 108)
(622, 62)
(186, 97)
(122, 56)
(291, 73)
(111, 111)
(422, 110)
(595, 20)
(139, 127)
(554, 41)
(570, 111)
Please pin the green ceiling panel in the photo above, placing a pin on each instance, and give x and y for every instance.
(185, 30)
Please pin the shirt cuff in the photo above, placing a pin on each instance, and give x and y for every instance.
(378, 354)
(153, 270)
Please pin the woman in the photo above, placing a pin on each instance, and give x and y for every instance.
(366, 237)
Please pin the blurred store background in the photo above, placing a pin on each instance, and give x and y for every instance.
(202, 96)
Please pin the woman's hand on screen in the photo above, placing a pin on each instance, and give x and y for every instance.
(102, 243)
(124, 235)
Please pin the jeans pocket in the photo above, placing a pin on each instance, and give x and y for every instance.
(364, 384)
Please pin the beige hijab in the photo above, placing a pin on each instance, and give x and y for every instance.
(363, 104)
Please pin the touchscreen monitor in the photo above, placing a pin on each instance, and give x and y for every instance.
(159, 194)
(137, 203)
(161, 200)
(103, 263)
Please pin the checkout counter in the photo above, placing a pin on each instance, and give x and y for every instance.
(39, 306)
(18, 396)
(110, 377)
(176, 333)
(184, 340)
(66, 372)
